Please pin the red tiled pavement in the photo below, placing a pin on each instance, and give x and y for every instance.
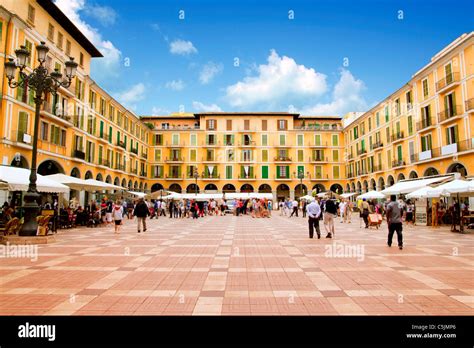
(242, 266)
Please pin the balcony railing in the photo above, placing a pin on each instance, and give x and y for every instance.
(376, 145)
(210, 176)
(469, 104)
(144, 174)
(212, 143)
(21, 137)
(282, 159)
(361, 152)
(79, 154)
(448, 80)
(121, 144)
(174, 159)
(144, 155)
(104, 136)
(310, 144)
(179, 144)
(318, 159)
(103, 162)
(209, 159)
(134, 171)
(319, 176)
(120, 167)
(247, 143)
(134, 151)
(398, 163)
(48, 108)
(283, 177)
(449, 113)
(174, 176)
(362, 172)
(247, 177)
(397, 136)
(377, 168)
(425, 123)
(350, 175)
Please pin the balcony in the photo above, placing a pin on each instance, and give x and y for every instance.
(211, 144)
(377, 168)
(425, 124)
(450, 114)
(120, 167)
(350, 157)
(450, 81)
(282, 146)
(469, 105)
(246, 160)
(361, 152)
(397, 137)
(247, 144)
(103, 162)
(282, 159)
(174, 176)
(56, 115)
(21, 137)
(247, 178)
(179, 144)
(362, 172)
(209, 159)
(283, 177)
(317, 145)
(79, 154)
(174, 160)
(319, 177)
(121, 144)
(134, 171)
(144, 174)
(318, 159)
(144, 155)
(350, 175)
(398, 163)
(210, 177)
(134, 151)
(376, 146)
(104, 137)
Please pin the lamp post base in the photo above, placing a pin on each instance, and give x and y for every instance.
(31, 210)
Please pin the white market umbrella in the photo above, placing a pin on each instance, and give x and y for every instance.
(75, 183)
(455, 187)
(372, 195)
(103, 186)
(424, 192)
(18, 179)
(308, 198)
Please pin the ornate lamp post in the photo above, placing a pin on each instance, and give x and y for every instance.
(42, 82)
(196, 177)
(301, 176)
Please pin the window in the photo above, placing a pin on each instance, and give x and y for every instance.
(317, 139)
(246, 124)
(409, 100)
(193, 140)
(79, 89)
(318, 172)
(335, 155)
(451, 135)
(411, 150)
(397, 107)
(229, 140)
(81, 59)
(426, 91)
(111, 113)
(175, 139)
(211, 139)
(264, 140)
(362, 128)
(426, 115)
(399, 153)
(29, 47)
(246, 155)
(264, 155)
(410, 125)
(370, 123)
(209, 155)
(44, 131)
(229, 125)
(356, 132)
(335, 140)
(387, 115)
(264, 172)
(60, 40)
(387, 134)
(50, 32)
(377, 119)
(300, 156)
(282, 124)
(389, 158)
(210, 124)
(68, 48)
(335, 172)
(22, 125)
(230, 155)
(1, 30)
(192, 155)
(283, 172)
(450, 105)
(282, 139)
(158, 139)
(102, 107)
(31, 14)
(163, 126)
(158, 155)
(264, 125)
(300, 139)
(448, 71)
(228, 172)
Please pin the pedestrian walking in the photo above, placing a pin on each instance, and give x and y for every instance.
(330, 212)
(118, 216)
(141, 211)
(314, 211)
(294, 206)
(365, 211)
(394, 221)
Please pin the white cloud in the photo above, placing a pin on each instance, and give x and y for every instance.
(209, 71)
(280, 79)
(182, 47)
(346, 96)
(157, 111)
(107, 66)
(175, 85)
(131, 96)
(198, 106)
(105, 14)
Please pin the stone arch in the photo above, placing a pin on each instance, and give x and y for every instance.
(108, 179)
(89, 175)
(156, 187)
(192, 188)
(400, 176)
(413, 175)
(353, 187)
(431, 172)
(359, 187)
(76, 173)
(336, 188)
(175, 188)
(210, 187)
(130, 184)
(20, 161)
(365, 185)
(265, 188)
(319, 188)
(228, 188)
(135, 185)
(390, 180)
(99, 177)
(49, 167)
(373, 185)
(381, 184)
(348, 188)
(300, 190)
(283, 192)
(246, 188)
(124, 182)
(457, 167)
(117, 181)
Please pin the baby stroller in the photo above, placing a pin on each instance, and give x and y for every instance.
(94, 219)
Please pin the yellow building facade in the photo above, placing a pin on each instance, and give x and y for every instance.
(424, 128)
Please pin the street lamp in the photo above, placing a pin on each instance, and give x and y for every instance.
(42, 82)
(196, 177)
(301, 176)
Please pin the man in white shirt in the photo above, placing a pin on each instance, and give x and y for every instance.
(294, 205)
(342, 210)
(314, 211)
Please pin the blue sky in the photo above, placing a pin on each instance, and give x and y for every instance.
(331, 57)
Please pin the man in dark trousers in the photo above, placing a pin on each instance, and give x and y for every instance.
(314, 211)
(394, 221)
(141, 211)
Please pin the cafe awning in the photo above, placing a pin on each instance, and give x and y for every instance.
(408, 186)
(18, 179)
(372, 195)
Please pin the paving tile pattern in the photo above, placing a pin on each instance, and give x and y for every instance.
(242, 266)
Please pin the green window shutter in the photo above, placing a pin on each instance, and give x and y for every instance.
(228, 172)
(454, 103)
(110, 134)
(101, 129)
(264, 172)
(118, 136)
(125, 140)
(23, 122)
(399, 151)
(456, 137)
(242, 172)
(250, 172)
(287, 171)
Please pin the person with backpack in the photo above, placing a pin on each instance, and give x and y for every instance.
(141, 211)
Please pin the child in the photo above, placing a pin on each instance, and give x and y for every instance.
(118, 216)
